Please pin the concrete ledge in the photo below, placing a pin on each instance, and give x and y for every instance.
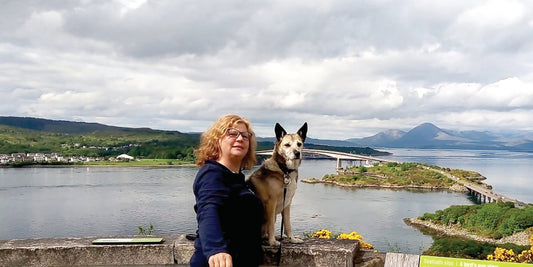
(313, 252)
(174, 250)
(183, 250)
(80, 251)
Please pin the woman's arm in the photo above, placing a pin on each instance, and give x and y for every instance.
(211, 195)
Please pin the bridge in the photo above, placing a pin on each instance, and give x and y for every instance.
(480, 192)
(340, 156)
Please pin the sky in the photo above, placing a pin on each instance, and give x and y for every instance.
(348, 68)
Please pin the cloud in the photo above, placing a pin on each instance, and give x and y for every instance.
(348, 68)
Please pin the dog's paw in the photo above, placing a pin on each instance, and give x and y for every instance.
(273, 243)
(295, 240)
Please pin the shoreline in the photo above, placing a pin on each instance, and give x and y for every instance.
(521, 238)
(453, 188)
(98, 165)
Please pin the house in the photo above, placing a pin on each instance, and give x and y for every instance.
(124, 157)
(18, 157)
(4, 158)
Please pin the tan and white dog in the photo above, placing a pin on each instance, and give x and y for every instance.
(277, 172)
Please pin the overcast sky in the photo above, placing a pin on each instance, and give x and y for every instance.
(348, 68)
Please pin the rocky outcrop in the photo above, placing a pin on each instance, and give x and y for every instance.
(453, 230)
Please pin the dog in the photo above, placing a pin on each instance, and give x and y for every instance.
(277, 172)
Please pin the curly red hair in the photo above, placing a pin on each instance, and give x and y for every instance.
(209, 149)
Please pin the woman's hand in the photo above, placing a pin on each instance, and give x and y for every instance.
(221, 259)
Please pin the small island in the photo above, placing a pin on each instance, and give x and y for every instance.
(403, 176)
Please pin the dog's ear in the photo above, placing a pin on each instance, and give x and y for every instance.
(303, 131)
(280, 132)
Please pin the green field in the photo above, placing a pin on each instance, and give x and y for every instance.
(141, 163)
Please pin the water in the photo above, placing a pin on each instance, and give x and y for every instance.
(105, 201)
(94, 201)
(510, 173)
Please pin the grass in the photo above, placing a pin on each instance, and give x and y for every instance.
(140, 162)
(393, 174)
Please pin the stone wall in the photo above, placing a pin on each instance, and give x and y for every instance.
(173, 250)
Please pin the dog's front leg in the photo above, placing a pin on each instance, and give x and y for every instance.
(270, 223)
(287, 224)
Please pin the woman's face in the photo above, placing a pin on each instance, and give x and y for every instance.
(233, 145)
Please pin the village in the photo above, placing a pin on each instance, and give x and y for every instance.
(54, 158)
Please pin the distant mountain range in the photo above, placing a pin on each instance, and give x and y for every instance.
(425, 135)
(429, 136)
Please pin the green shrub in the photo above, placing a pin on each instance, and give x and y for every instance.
(525, 218)
(496, 220)
(458, 248)
(391, 164)
(429, 217)
(486, 219)
(454, 214)
(508, 227)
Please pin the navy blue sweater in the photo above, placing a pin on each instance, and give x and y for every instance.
(229, 217)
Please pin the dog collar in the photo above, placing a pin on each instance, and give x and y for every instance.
(286, 179)
(286, 173)
(284, 169)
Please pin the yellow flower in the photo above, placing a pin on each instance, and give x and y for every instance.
(355, 236)
(324, 234)
(526, 256)
(508, 255)
(366, 245)
(350, 236)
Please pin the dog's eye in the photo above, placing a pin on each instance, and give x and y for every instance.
(299, 144)
(287, 145)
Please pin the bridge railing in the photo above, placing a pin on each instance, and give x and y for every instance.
(333, 154)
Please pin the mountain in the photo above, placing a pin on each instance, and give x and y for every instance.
(526, 146)
(378, 139)
(56, 126)
(427, 135)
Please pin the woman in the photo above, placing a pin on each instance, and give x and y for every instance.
(229, 215)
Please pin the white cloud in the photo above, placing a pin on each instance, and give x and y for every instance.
(509, 93)
(491, 15)
(348, 68)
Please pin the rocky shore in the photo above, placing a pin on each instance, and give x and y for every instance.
(455, 188)
(521, 238)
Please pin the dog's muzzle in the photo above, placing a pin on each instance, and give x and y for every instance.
(297, 154)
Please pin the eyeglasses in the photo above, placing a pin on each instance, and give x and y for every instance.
(234, 134)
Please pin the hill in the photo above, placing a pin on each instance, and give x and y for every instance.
(35, 135)
(56, 126)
